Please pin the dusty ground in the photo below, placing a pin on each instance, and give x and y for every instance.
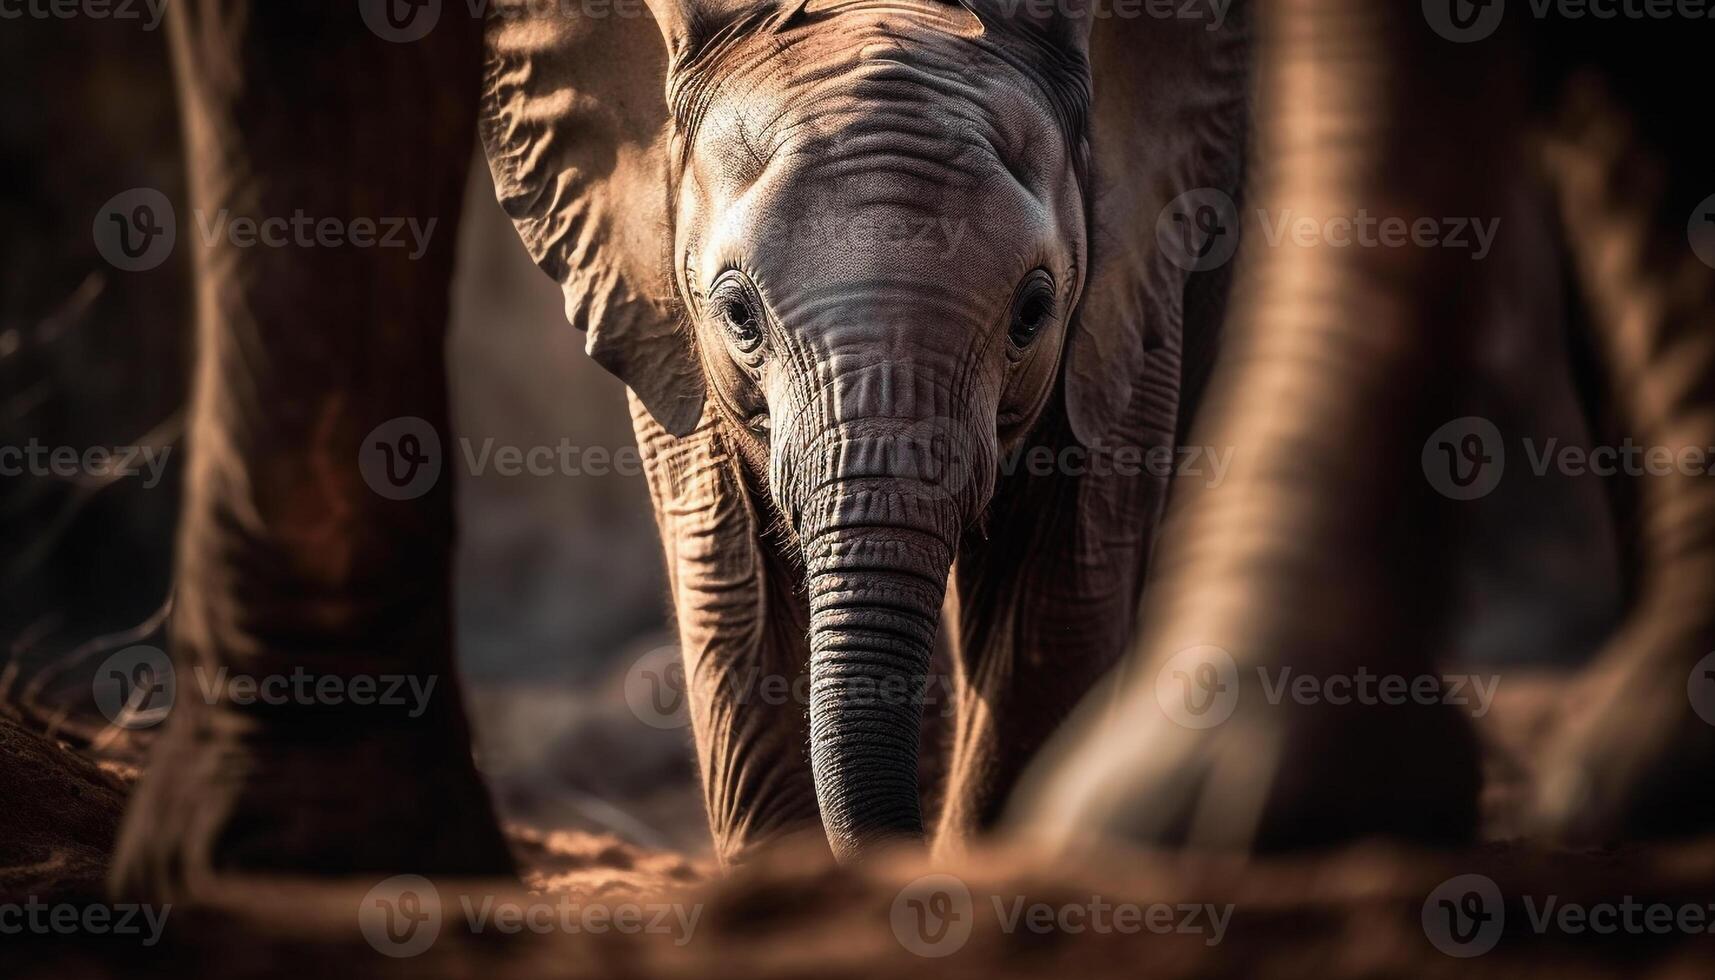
(1357, 912)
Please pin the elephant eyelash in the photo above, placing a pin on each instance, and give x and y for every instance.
(694, 289)
(735, 306)
(1034, 309)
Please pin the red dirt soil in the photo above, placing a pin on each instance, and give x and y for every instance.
(1356, 912)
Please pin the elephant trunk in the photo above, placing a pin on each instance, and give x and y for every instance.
(878, 538)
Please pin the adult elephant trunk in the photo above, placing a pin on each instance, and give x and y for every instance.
(878, 533)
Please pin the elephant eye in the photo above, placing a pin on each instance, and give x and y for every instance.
(738, 310)
(1032, 309)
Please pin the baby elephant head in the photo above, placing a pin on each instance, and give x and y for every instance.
(878, 237)
(878, 241)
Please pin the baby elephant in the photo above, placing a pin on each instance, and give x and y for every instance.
(884, 280)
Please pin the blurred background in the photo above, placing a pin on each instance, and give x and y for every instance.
(560, 581)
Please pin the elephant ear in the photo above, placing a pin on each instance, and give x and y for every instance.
(574, 122)
(1168, 130)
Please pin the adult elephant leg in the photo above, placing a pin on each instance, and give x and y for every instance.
(1048, 586)
(742, 627)
(1636, 742)
(1046, 598)
(1295, 565)
(291, 564)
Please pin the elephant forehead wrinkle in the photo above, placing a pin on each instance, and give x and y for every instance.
(932, 81)
(879, 115)
(836, 141)
(885, 304)
(847, 124)
(855, 65)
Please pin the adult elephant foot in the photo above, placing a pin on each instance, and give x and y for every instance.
(1202, 757)
(1634, 748)
(1634, 743)
(228, 795)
